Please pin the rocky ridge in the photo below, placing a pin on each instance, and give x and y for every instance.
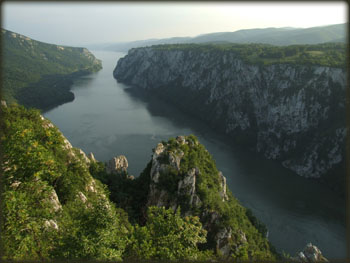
(291, 113)
(182, 176)
(169, 165)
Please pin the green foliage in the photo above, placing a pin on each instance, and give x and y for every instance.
(36, 165)
(93, 233)
(326, 54)
(208, 187)
(256, 222)
(38, 74)
(128, 194)
(82, 223)
(168, 236)
(26, 235)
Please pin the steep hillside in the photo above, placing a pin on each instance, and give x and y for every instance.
(51, 207)
(37, 74)
(54, 205)
(183, 176)
(287, 103)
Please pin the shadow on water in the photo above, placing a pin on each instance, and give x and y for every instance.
(109, 119)
(266, 186)
(279, 180)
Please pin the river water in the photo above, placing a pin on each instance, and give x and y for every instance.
(110, 119)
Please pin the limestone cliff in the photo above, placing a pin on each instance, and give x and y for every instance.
(184, 176)
(294, 113)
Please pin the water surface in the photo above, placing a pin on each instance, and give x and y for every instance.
(110, 119)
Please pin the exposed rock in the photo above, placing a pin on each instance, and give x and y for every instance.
(53, 199)
(164, 160)
(86, 159)
(223, 187)
(117, 164)
(222, 241)
(15, 185)
(82, 197)
(91, 187)
(310, 254)
(281, 110)
(51, 224)
(187, 186)
(175, 159)
(242, 236)
(181, 139)
(91, 157)
(158, 150)
(3, 103)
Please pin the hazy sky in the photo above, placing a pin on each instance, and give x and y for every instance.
(80, 23)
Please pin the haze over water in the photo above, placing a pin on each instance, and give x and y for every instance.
(108, 119)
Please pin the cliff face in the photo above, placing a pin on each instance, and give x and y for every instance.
(288, 112)
(183, 176)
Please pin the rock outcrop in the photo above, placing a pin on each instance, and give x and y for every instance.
(117, 164)
(169, 166)
(91, 157)
(288, 112)
(310, 254)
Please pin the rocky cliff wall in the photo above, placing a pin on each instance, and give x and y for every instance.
(292, 113)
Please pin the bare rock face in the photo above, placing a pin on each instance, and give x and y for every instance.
(310, 254)
(175, 159)
(117, 164)
(223, 187)
(86, 159)
(51, 224)
(91, 157)
(82, 197)
(15, 185)
(165, 161)
(222, 240)
(187, 186)
(285, 107)
(3, 103)
(53, 199)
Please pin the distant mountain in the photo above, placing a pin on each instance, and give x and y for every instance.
(125, 46)
(37, 74)
(275, 36)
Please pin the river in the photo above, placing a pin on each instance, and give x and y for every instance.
(109, 119)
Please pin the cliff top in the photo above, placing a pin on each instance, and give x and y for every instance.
(327, 54)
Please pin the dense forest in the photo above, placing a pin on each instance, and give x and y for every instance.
(57, 203)
(37, 74)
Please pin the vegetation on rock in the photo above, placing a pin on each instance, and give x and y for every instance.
(326, 54)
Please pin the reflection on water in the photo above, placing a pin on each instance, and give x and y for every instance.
(109, 119)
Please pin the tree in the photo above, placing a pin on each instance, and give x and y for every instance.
(168, 236)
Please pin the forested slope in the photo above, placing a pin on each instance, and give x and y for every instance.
(54, 205)
(37, 74)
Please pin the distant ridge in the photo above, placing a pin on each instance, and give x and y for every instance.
(276, 36)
